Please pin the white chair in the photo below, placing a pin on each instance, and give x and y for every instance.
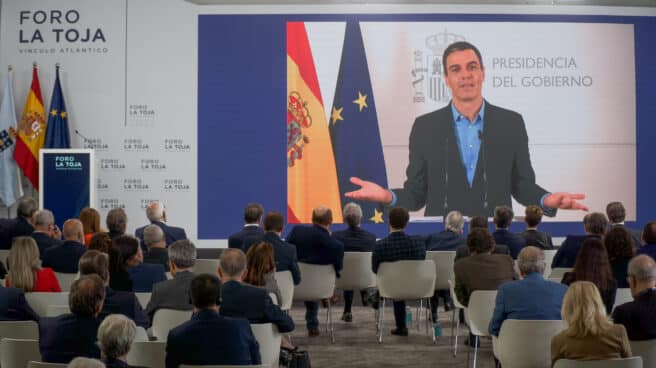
(558, 272)
(622, 296)
(19, 330)
(645, 349)
(274, 298)
(141, 335)
(35, 364)
(548, 258)
(443, 267)
(356, 274)
(285, 283)
(66, 280)
(633, 362)
(524, 343)
(317, 283)
(268, 338)
(166, 319)
(455, 321)
(151, 354)
(40, 301)
(210, 266)
(478, 315)
(143, 299)
(404, 280)
(16, 353)
(57, 310)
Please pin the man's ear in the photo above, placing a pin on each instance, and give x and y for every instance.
(220, 273)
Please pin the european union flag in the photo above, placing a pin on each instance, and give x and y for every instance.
(354, 125)
(57, 135)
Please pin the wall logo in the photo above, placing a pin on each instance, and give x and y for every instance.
(152, 165)
(109, 164)
(110, 203)
(135, 185)
(135, 144)
(175, 185)
(427, 78)
(96, 144)
(67, 163)
(101, 185)
(176, 145)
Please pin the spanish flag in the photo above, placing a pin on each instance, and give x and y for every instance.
(311, 172)
(31, 132)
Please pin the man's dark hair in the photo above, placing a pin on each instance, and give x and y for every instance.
(205, 291)
(479, 222)
(533, 215)
(126, 245)
(460, 46)
(398, 218)
(615, 212)
(87, 294)
(649, 232)
(116, 220)
(253, 213)
(26, 207)
(322, 216)
(479, 241)
(274, 221)
(503, 216)
(94, 262)
(595, 223)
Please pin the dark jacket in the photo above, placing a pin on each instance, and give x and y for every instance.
(145, 275)
(314, 245)
(638, 316)
(44, 242)
(246, 236)
(14, 307)
(68, 336)
(514, 242)
(538, 239)
(566, 255)
(171, 233)
(116, 363)
(397, 246)
(125, 303)
(285, 256)
(11, 228)
(462, 251)
(157, 256)
(356, 239)
(64, 258)
(245, 301)
(444, 240)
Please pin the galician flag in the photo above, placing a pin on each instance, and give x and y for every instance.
(10, 185)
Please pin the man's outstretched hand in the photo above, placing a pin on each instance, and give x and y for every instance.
(369, 191)
(565, 201)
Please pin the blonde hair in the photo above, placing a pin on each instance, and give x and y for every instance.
(584, 311)
(24, 261)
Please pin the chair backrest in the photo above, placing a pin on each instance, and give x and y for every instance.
(210, 266)
(35, 364)
(274, 298)
(268, 338)
(66, 279)
(622, 296)
(317, 282)
(479, 311)
(16, 353)
(548, 258)
(558, 272)
(19, 329)
(166, 319)
(404, 280)
(645, 349)
(443, 267)
(633, 362)
(141, 335)
(285, 283)
(524, 343)
(40, 301)
(143, 299)
(457, 303)
(356, 274)
(57, 310)
(151, 354)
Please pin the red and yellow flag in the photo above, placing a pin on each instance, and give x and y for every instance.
(31, 132)
(311, 171)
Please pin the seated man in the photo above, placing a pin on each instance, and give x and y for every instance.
(616, 214)
(21, 225)
(481, 223)
(595, 225)
(532, 235)
(638, 316)
(65, 257)
(246, 301)
(71, 335)
(649, 240)
(532, 297)
(175, 293)
(397, 246)
(115, 337)
(209, 338)
(117, 222)
(451, 237)
(252, 232)
(503, 216)
(46, 233)
(156, 244)
(283, 252)
(123, 302)
(156, 214)
(14, 307)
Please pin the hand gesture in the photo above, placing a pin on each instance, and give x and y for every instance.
(369, 191)
(565, 201)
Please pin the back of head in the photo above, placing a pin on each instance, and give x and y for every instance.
(81, 362)
(94, 262)
(43, 220)
(155, 211)
(592, 264)
(182, 253)
(100, 242)
(643, 268)
(480, 241)
(274, 221)
(87, 295)
(126, 245)
(503, 216)
(73, 230)
(615, 212)
(398, 218)
(533, 215)
(24, 260)
(205, 291)
(584, 311)
(90, 218)
(595, 223)
(253, 213)
(260, 261)
(531, 260)
(153, 234)
(478, 222)
(322, 216)
(649, 233)
(455, 221)
(117, 220)
(352, 214)
(115, 335)
(26, 207)
(232, 262)
(619, 244)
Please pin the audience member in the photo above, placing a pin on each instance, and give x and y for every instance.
(649, 239)
(532, 297)
(26, 272)
(534, 237)
(156, 214)
(154, 239)
(589, 335)
(638, 316)
(451, 237)
(314, 245)
(209, 338)
(503, 217)
(90, 219)
(592, 265)
(355, 239)
(175, 293)
(126, 303)
(65, 257)
(621, 247)
(14, 307)
(117, 222)
(595, 224)
(115, 336)
(46, 233)
(143, 275)
(479, 222)
(100, 242)
(251, 232)
(616, 215)
(261, 268)
(397, 246)
(81, 362)
(71, 335)
(283, 252)
(21, 225)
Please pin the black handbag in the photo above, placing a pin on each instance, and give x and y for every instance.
(295, 359)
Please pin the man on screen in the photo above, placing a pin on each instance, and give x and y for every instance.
(469, 156)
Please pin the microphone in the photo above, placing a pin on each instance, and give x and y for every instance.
(83, 137)
(481, 137)
(446, 175)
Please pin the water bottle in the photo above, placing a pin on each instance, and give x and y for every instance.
(437, 329)
(408, 316)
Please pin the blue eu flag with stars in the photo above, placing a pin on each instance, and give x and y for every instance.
(57, 135)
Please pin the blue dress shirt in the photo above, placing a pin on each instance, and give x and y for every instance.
(469, 143)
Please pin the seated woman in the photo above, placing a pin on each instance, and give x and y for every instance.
(130, 259)
(261, 268)
(621, 248)
(590, 335)
(100, 242)
(592, 265)
(90, 219)
(26, 272)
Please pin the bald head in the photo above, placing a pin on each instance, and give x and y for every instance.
(232, 264)
(155, 211)
(643, 268)
(322, 216)
(73, 230)
(530, 260)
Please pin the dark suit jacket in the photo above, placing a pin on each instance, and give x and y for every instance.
(171, 233)
(504, 157)
(116, 363)
(285, 255)
(462, 251)
(444, 240)
(245, 301)
(356, 239)
(157, 256)
(125, 303)
(648, 249)
(211, 339)
(635, 234)
(514, 242)
(65, 257)
(481, 272)
(566, 254)
(68, 336)
(44, 242)
(171, 294)
(249, 234)
(538, 239)
(314, 245)
(11, 228)
(397, 246)
(638, 316)
(14, 307)
(145, 275)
